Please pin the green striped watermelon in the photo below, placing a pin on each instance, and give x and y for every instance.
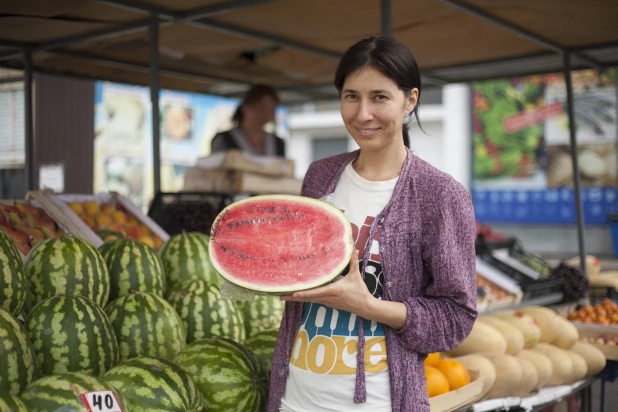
(263, 345)
(67, 266)
(229, 376)
(72, 334)
(155, 385)
(12, 277)
(185, 256)
(146, 325)
(71, 392)
(133, 265)
(262, 313)
(205, 313)
(11, 403)
(18, 366)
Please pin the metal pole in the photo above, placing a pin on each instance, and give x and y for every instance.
(154, 100)
(387, 24)
(573, 140)
(28, 126)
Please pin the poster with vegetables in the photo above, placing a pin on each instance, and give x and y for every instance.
(522, 169)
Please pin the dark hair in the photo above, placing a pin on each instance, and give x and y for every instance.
(388, 56)
(254, 95)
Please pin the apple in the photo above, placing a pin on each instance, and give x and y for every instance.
(103, 220)
(108, 208)
(143, 230)
(132, 230)
(91, 207)
(89, 220)
(147, 240)
(77, 207)
(120, 217)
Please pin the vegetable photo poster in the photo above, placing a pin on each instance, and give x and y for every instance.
(521, 161)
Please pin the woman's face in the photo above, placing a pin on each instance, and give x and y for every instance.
(373, 109)
(260, 112)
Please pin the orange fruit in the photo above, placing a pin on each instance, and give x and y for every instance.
(456, 374)
(437, 384)
(432, 359)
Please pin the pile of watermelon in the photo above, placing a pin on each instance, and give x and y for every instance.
(126, 326)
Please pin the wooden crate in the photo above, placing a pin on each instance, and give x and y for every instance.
(60, 202)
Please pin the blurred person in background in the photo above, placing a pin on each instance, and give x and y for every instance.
(248, 135)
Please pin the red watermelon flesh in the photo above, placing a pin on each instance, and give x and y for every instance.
(280, 243)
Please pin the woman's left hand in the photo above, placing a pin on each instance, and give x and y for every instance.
(350, 293)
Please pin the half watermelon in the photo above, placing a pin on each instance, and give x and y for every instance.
(280, 243)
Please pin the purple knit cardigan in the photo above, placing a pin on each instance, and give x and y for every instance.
(428, 261)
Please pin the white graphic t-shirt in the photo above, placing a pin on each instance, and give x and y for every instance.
(322, 373)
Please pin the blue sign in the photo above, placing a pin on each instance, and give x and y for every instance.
(553, 206)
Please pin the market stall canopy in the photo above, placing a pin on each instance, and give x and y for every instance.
(218, 47)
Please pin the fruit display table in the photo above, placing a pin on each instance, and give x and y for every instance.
(537, 402)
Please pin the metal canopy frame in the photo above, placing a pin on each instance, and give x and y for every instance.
(201, 17)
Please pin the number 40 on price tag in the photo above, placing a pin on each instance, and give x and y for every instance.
(101, 401)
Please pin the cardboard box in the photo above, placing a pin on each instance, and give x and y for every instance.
(235, 160)
(461, 397)
(223, 181)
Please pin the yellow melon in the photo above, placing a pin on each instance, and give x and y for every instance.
(483, 339)
(542, 363)
(513, 336)
(484, 366)
(595, 359)
(508, 376)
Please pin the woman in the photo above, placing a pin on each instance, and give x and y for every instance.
(248, 135)
(359, 343)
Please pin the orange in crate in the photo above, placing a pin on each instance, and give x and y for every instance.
(456, 374)
(437, 384)
(432, 359)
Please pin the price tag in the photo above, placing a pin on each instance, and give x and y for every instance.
(101, 401)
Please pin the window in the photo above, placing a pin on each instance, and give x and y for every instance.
(322, 148)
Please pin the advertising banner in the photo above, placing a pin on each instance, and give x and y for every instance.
(522, 169)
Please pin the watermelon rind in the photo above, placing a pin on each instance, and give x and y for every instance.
(146, 325)
(72, 334)
(67, 266)
(11, 403)
(133, 265)
(337, 269)
(263, 345)
(185, 256)
(155, 385)
(13, 283)
(205, 313)
(229, 376)
(63, 392)
(262, 313)
(17, 358)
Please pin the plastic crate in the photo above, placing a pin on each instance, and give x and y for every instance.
(530, 287)
(534, 262)
(597, 293)
(188, 211)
